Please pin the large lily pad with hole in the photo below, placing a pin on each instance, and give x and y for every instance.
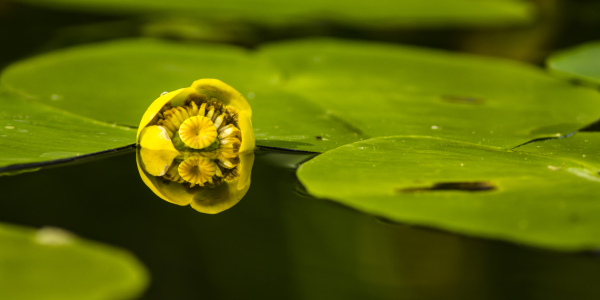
(579, 64)
(50, 264)
(373, 14)
(318, 94)
(32, 133)
(463, 187)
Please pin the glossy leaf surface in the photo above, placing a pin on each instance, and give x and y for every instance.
(583, 148)
(31, 132)
(581, 63)
(384, 90)
(117, 81)
(50, 264)
(462, 187)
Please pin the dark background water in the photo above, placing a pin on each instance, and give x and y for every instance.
(278, 244)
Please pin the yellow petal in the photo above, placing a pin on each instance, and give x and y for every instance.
(214, 88)
(245, 123)
(171, 192)
(156, 137)
(157, 105)
(227, 95)
(157, 162)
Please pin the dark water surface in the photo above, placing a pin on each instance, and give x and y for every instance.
(278, 244)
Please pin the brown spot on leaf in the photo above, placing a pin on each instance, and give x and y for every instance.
(462, 100)
(473, 186)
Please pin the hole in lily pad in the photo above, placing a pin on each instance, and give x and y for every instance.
(474, 186)
(463, 100)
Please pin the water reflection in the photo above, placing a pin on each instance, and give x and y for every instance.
(278, 245)
(209, 181)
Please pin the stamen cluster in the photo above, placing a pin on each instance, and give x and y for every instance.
(207, 134)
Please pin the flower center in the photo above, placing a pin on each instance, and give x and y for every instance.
(198, 132)
(199, 122)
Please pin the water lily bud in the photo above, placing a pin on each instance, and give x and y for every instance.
(189, 116)
(196, 146)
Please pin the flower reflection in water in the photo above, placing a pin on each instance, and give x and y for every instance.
(172, 186)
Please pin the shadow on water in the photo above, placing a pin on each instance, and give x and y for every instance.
(276, 244)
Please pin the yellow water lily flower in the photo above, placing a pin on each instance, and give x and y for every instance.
(196, 146)
(211, 104)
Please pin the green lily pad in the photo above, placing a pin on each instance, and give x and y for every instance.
(116, 81)
(385, 90)
(50, 264)
(33, 133)
(467, 188)
(378, 13)
(285, 120)
(318, 94)
(581, 63)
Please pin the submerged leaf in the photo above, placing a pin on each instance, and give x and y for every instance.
(51, 263)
